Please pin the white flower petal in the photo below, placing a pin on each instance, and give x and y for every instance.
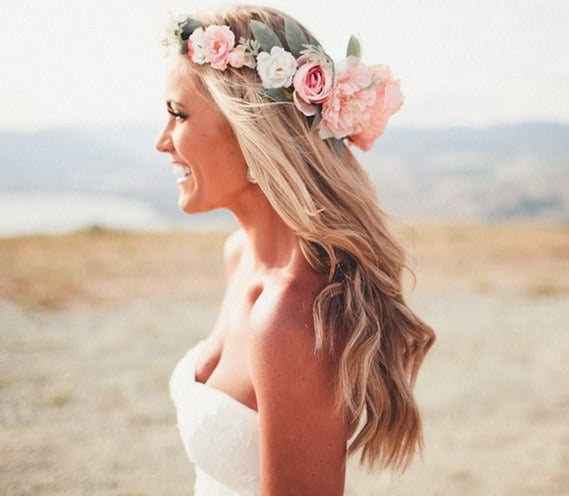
(276, 69)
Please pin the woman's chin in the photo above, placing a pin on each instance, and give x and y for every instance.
(186, 205)
(190, 206)
(187, 209)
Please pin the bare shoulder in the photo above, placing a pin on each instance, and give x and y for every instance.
(282, 325)
(303, 439)
(233, 249)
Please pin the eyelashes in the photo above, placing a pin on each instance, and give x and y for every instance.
(179, 116)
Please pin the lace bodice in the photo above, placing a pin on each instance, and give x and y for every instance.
(220, 434)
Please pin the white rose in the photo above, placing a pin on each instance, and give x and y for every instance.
(277, 69)
(170, 32)
(196, 46)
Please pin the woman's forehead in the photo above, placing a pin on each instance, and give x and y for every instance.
(181, 85)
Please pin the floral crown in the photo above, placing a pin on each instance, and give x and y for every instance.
(344, 100)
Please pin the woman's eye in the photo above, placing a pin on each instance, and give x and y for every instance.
(177, 115)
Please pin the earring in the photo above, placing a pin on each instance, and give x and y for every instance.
(251, 177)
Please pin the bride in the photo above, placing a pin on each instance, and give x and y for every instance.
(315, 352)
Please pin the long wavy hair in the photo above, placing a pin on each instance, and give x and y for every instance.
(329, 202)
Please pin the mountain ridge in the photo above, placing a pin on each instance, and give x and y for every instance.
(512, 172)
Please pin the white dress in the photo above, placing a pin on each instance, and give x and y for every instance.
(220, 434)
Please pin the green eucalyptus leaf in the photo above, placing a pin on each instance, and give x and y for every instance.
(276, 94)
(313, 41)
(295, 37)
(188, 26)
(338, 146)
(354, 47)
(265, 36)
(316, 120)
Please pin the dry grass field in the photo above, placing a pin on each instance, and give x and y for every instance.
(92, 323)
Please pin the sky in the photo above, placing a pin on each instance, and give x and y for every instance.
(98, 63)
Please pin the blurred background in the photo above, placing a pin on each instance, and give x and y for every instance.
(104, 284)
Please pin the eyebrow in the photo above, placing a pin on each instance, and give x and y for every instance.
(170, 103)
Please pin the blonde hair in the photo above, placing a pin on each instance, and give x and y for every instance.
(328, 200)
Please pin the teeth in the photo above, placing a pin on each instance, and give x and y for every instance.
(182, 171)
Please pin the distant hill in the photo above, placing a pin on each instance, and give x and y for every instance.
(501, 173)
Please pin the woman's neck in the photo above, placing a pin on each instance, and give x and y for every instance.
(273, 244)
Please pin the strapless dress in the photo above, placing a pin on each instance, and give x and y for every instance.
(220, 434)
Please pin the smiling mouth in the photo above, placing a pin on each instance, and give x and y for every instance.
(182, 172)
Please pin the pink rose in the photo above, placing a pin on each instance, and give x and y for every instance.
(352, 99)
(238, 58)
(218, 42)
(388, 101)
(250, 61)
(312, 83)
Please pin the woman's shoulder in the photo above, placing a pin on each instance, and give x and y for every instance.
(302, 434)
(283, 336)
(285, 303)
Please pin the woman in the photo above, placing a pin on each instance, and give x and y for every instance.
(314, 343)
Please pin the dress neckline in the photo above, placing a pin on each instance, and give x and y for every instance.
(205, 386)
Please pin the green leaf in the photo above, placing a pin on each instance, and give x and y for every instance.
(316, 120)
(295, 37)
(188, 26)
(265, 36)
(314, 42)
(354, 47)
(338, 146)
(276, 94)
(185, 29)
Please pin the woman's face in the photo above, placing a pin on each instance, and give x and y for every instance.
(207, 159)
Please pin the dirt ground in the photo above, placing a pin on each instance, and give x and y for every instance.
(92, 324)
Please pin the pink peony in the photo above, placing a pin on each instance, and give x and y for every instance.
(388, 101)
(352, 99)
(312, 83)
(218, 41)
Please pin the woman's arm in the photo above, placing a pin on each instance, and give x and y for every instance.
(302, 439)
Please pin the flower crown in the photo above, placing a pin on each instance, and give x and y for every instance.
(345, 100)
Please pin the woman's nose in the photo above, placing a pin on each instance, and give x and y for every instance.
(163, 142)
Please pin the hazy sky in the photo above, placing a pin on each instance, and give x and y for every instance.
(461, 62)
